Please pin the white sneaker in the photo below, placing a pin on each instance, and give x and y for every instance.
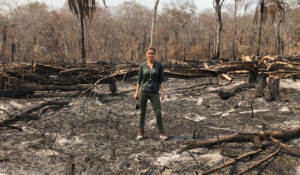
(140, 135)
(163, 136)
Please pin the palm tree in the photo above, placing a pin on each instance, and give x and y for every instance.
(83, 9)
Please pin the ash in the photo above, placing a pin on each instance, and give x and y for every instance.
(98, 133)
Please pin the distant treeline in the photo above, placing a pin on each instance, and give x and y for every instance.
(32, 32)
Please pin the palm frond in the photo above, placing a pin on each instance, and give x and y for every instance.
(73, 5)
(104, 3)
(82, 7)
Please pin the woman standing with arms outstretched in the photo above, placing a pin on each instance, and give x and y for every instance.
(150, 80)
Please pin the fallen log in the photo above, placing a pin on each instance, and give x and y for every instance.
(78, 71)
(228, 78)
(268, 136)
(294, 151)
(36, 87)
(186, 74)
(15, 93)
(227, 93)
(32, 88)
(46, 69)
(242, 137)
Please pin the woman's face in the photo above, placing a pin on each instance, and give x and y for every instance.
(150, 55)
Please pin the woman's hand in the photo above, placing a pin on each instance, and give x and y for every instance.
(136, 94)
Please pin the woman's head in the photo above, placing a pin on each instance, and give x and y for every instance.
(151, 49)
(150, 54)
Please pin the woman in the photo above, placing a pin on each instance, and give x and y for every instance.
(150, 79)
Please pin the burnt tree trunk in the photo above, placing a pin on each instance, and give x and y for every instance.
(262, 9)
(153, 23)
(83, 51)
(261, 81)
(272, 91)
(113, 87)
(253, 72)
(235, 32)
(16, 93)
(225, 94)
(219, 27)
(252, 77)
(13, 51)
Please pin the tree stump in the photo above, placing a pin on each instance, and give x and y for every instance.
(253, 71)
(113, 87)
(252, 77)
(261, 81)
(272, 90)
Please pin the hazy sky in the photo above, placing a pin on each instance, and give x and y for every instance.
(201, 4)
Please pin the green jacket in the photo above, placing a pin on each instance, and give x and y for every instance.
(150, 80)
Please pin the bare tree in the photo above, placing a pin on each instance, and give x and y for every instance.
(260, 9)
(219, 28)
(153, 22)
(4, 25)
(234, 48)
(267, 8)
(282, 11)
(123, 32)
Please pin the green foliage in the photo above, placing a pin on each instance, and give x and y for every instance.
(6, 24)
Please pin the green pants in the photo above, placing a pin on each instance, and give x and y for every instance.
(155, 102)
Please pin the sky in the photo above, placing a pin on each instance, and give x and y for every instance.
(55, 4)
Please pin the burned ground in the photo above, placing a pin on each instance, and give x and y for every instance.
(98, 133)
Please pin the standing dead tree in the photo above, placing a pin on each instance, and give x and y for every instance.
(264, 9)
(153, 22)
(219, 27)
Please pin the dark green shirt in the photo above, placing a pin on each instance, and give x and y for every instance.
(150, 80)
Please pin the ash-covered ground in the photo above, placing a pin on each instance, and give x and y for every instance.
(99, 133)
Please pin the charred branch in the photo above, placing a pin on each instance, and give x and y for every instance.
(245, 137)
(30, 113)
